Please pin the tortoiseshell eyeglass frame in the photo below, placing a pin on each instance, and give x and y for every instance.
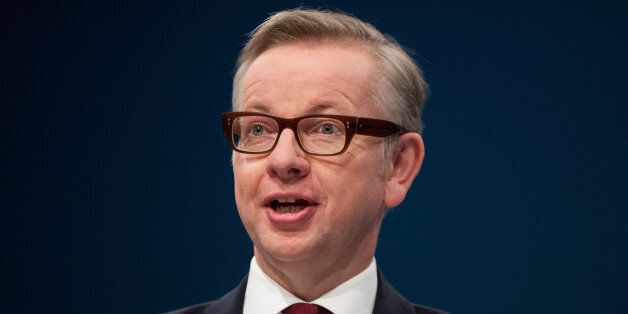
(353, 125)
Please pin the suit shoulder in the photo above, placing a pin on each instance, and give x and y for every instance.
(389, 300)
(231, 302)
(422, 309)
(201, 308)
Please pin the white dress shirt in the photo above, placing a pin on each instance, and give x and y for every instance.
(355, 296)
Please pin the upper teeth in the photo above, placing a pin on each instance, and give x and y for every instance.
(286, 200)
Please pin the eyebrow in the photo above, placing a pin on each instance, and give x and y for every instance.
(257, 106)
(321, 107)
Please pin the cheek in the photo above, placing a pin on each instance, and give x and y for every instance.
(354, 191)
(246, 180)
(369, 186)
(245, 192)
(237, 184)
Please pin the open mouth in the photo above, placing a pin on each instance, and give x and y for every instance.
(288, 205)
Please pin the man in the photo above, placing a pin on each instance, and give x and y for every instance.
(325, 132)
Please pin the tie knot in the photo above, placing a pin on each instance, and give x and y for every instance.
(305, 308)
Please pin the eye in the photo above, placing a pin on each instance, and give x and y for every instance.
(328, 128)
(257, 129)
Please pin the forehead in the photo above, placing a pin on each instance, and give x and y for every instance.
(305, 78)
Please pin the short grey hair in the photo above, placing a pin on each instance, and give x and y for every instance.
(400, 88)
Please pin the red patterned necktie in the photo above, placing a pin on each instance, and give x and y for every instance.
(305, 308)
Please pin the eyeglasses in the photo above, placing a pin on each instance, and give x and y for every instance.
(320, 135)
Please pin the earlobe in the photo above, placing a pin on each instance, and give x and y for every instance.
(406, 163)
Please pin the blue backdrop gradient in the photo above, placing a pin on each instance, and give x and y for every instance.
(118, 191)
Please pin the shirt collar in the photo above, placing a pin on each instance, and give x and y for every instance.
(356, 295)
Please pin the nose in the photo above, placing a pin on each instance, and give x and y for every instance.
(287, 161)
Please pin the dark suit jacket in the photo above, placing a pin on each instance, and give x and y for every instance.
(387, 300)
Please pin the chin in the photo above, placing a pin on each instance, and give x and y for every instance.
(287, 250)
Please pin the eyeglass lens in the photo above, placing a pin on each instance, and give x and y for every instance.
(318, 135)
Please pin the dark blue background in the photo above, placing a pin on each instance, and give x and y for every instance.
(118, 191)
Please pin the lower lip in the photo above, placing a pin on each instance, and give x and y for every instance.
(294, 218)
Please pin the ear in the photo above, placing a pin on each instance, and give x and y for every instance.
(406, 162)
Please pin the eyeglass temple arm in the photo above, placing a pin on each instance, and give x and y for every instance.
(375, 127)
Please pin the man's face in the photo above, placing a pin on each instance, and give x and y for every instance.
(341, 197)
